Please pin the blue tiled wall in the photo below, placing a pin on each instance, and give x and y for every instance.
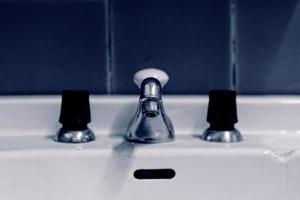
(268, 46)
(47, 46)
(189, 40)
(252, 46)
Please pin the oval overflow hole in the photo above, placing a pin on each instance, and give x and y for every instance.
(154, 173)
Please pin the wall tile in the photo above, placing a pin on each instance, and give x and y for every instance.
(189, 39)
(268, 46)
(49, 46)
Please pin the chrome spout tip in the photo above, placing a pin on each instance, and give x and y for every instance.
(222, 136)
(80, 136)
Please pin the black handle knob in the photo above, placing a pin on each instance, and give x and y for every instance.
(75, 110)
(222, 111)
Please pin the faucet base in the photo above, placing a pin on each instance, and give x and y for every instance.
(80, 136)
(150, 140)
(222, 136)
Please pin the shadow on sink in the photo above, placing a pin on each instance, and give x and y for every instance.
(118, 169)
(122, 120)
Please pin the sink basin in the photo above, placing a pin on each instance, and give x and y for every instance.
(264, 166)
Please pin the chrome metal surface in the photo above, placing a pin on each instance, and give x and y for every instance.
(79, 136)
(151, 88)
(150, 108)
(150, 124)
(222, 136)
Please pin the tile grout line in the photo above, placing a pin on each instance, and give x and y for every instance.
(108, 47)
(233, 45)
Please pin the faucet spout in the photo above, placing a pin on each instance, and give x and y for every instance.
(150, 107)
(150, 123)
(150, 97)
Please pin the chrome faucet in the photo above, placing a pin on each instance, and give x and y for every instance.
(150, 123)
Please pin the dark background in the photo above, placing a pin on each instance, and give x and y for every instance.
(252, 46)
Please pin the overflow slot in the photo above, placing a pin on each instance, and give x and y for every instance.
(154, 173)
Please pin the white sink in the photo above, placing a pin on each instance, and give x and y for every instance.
(265, 166)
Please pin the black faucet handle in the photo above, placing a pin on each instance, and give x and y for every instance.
(75, 110)
(222, 111)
